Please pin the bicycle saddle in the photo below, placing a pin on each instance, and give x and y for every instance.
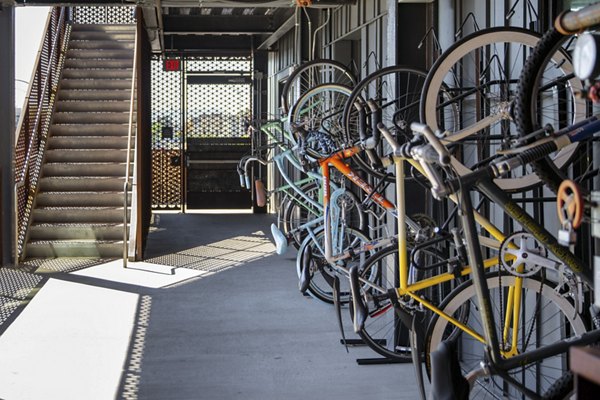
(280, 240)
(447, 382)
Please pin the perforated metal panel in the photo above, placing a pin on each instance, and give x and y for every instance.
(167, 137)
(104, 15)
(218, 109)
(203, 139)
(219, 96)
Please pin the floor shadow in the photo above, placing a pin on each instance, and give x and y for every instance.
(178, 232)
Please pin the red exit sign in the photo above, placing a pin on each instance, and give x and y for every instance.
(172, 64)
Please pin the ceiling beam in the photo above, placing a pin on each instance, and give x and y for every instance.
(282, 30)
(208, 43)
(219, 23)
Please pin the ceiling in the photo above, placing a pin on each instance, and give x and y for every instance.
(209, 26)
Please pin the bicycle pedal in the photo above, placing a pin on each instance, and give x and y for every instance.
(281, 242)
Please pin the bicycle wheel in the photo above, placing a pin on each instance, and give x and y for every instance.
(383, 331)
(545, 317)
(395, 91)
(319, 112)
(311, 74)
(546, 95)
(478, 76)
(320, 270)
(297, 213)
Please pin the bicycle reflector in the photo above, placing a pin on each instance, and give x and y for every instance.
(586, 60)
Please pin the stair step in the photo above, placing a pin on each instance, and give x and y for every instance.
(97, 44)
(103, 28)
(85, 169)
(92, 118)
(89, 130)
(87, 142)
(81, 199)
(102, 84)
(93, 106)
(94, 94)
(78, 215)
(69, 184)
(99, 232)
(98, 63)
(104, 73)
(90, 156)
(100, 54)
(75, 248)
(102, 35)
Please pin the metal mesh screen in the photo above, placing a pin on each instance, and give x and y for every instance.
(218, 110)
(167, 137)
(221, 109)
(219, 64)
(36, 117)
(104, 15)
(218, 105)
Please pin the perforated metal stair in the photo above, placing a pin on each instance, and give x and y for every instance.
(79, 206)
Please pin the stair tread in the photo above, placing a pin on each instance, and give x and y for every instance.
(46, 241)
(78, 224)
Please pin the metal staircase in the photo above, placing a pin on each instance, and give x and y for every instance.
(80, 206)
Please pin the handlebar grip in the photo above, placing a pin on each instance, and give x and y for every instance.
(442, 151)
(242, 181)
(572, 22)
(247, 181)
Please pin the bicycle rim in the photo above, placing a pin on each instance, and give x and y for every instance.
(481, 74)
(396, 92)
(545, 318)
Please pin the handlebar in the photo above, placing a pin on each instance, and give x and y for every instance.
(242, 170)
(433, 152)
(426, 154)
(572, 22)
(441, 150)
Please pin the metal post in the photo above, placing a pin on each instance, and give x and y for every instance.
(392, 34)
(7, 131)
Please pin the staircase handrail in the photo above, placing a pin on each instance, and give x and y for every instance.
(127, 184)
(36, 131)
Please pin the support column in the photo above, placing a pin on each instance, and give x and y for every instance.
(392, 34)
(7, 133)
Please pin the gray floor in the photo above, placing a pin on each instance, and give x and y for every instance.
(239, 329)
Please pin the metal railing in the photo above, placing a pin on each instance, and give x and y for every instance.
(34, 123)
(127, 186)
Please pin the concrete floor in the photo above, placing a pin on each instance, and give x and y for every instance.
(214, 313)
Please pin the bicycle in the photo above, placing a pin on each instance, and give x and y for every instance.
(503, 362)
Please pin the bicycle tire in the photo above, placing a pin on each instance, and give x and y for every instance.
(318, 287)
(319, 112)
(396, 90)
(548, 306)
(562, 389)
(530, 104)
(382, 331)
(311, 74)
(488, 96)
(295, 214)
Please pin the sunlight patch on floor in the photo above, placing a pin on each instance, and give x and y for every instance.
(221, 255)
(140, 273)
(70, 342)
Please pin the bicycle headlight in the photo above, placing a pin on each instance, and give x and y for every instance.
(586, 59)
